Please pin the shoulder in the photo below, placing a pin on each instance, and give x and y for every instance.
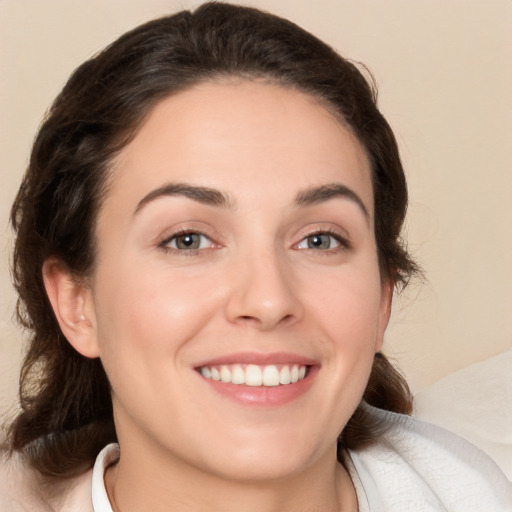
(22, 489)
(417, 466)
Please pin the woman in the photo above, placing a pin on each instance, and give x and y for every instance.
(207, 247)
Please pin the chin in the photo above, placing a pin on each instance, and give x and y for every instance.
(260, 468)
(267, 458)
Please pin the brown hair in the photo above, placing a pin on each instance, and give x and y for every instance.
(66, 410)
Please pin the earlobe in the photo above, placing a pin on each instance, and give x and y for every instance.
(73, 307)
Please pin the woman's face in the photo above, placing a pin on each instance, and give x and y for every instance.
(236, 242)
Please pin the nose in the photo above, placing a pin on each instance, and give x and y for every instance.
(263, 293)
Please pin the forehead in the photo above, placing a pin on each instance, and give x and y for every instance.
(239, 134)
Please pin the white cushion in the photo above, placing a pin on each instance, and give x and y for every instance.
(476, 403)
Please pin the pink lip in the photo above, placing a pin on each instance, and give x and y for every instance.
(259, 359)
(262, 396)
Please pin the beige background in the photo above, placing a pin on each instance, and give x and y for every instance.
(445, 76)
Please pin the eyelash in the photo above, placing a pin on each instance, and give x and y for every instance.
(164, 244)
(343, 243)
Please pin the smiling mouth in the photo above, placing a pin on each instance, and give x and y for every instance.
(255, 375)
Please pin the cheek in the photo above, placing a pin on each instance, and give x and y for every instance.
(148, 315)
(346, 313)
(347, 304)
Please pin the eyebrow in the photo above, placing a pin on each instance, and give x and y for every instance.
(315, 195)
(214, 197)
(203, 195)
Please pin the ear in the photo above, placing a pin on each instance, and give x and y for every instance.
(386, 300)
(73, 307)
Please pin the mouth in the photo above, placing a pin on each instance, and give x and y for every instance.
(271, 375)
(264, 380)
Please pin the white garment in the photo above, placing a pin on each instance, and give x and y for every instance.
(109, 455)
(475, 403)
(415, 467)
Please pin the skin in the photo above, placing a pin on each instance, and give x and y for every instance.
(152, 312)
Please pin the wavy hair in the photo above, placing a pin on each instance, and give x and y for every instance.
(66, 409)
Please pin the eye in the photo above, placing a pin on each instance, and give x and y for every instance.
(320, 241)
(187, 242)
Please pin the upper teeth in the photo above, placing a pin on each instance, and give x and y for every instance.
(254, 375)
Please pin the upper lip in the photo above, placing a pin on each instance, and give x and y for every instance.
(258, 359)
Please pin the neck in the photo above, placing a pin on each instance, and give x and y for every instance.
(165, 485)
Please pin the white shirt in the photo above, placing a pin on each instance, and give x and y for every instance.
(415, 467)
(108, 456)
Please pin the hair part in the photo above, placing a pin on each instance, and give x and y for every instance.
(66, 409)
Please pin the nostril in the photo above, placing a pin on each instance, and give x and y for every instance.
(249, 318)
(261, 305)
(288, 319)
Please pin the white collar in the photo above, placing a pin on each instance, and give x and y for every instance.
(108, 456)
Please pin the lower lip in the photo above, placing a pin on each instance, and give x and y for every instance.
(264, 395)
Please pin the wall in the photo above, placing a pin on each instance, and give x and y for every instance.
(445, 78)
